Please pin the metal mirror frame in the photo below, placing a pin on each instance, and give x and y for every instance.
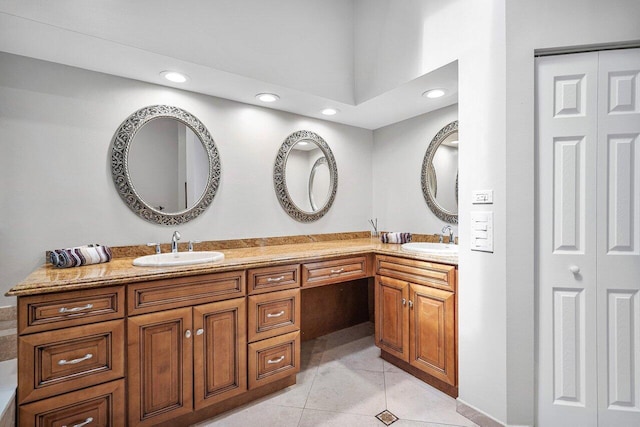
(427, 164)
(280, 182)
(312, 175)
(121, 144)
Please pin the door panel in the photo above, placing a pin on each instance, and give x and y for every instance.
(567, 132)
(392, 316)
(618, 193)
(432, 325)
(160, 370)
(220, 351)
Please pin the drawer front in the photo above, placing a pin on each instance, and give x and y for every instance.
(99, 406)
(273, 359)
(273, 278)
(440, 276)
(62, 361)
(273, 314)
(61, 310)
(185, 291)
(334, 271)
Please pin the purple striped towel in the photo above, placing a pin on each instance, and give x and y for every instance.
(80, 255)
(395, 237)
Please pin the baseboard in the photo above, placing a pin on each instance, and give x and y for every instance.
(478, 417)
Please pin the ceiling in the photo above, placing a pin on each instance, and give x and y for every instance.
(303, 50)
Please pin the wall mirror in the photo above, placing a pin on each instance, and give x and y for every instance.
(165, 164)
(439, 175)
(305, 176)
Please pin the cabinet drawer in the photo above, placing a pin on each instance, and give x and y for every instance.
(334, 271)
(99, 406)
(273, 314)
(273, 278)
(166, 294)
(273, 359)
(421, 272)
(56, 362)
(53, 311)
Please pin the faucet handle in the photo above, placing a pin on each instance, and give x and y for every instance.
(157, 245)
(191, 242)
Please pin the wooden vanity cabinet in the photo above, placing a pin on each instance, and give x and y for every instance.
(415, 325)
(187, 358)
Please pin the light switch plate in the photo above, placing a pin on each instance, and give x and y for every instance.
(482, 197)
(482, 231)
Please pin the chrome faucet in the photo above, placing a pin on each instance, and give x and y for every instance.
(174, 241)
(451, 238)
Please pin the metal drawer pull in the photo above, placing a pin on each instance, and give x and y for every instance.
(74, 309)
(275, 279)
(276, 314)
(273, 361)
(200, 331)
(340, 270)
(84, 423)
(87, 356)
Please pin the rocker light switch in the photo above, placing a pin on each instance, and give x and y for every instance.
(482, 231)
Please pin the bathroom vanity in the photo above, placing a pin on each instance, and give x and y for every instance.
(113, 344)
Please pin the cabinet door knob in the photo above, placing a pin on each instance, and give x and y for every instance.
(410, 304)
(404, 301)
(574, 269)
(187, 334)
(200, 331)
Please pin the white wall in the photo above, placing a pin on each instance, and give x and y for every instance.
(398, 153)
(57, 123)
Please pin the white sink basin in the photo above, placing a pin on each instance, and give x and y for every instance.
(179, 258)
(433, 248)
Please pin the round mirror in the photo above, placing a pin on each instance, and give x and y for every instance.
(165, 165)
(439, 175)
(305, 176)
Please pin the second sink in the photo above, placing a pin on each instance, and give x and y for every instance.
(434, 248)
(178, 258)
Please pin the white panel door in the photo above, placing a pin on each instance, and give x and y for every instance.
(566, 194)
(618, 247)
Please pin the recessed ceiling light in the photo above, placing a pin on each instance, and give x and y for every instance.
(330, 111)
(303, 143)
(267, 97)
(174, 76)
(454, 142)
(434, 93)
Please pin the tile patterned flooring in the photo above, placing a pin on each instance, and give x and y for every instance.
(344, 382)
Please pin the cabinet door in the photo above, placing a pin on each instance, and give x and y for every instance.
(432, 325)
(220, 351)
(392, 316)
(160, 370)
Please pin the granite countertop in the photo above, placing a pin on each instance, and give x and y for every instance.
(120, 270)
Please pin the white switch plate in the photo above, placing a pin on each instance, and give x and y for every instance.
(482, 231)
(482, 197)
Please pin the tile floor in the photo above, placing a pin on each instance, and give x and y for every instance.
(344, 382)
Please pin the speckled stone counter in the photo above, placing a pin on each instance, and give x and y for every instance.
(120, 270)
